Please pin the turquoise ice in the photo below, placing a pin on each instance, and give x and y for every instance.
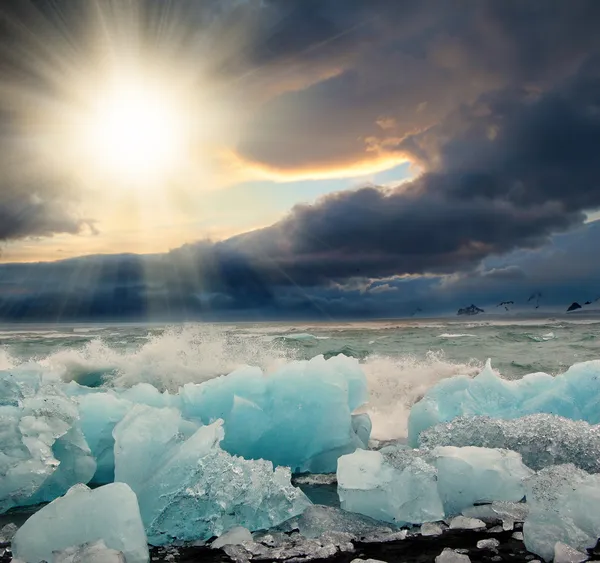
(109, 514)
(574, 394)
(189, 488)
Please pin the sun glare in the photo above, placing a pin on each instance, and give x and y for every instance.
(136, 134)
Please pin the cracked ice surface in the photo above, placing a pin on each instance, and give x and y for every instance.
(574, 394)
(564, 506)
(189, 488)
(43, 448)
(541, 439)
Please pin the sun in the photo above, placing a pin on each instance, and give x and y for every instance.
(136, 133)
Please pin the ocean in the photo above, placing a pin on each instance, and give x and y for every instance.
(401, 359)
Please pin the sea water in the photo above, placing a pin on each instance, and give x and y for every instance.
(401, 359)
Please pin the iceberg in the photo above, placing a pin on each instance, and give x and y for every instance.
(109, 514)
(190, 489)
(574, 394)
(542, 439)
(470, 475)
(564, 506)
(395, 486)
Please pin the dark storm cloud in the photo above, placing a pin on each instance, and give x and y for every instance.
(412, 64)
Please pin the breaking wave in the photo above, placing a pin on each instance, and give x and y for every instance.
(195, 354)
(449, 335)
(397, 383)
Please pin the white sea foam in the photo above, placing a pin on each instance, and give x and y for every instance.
(451, 335)
(395, 384)
(167, 360)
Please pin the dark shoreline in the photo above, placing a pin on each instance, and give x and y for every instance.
(413, 549)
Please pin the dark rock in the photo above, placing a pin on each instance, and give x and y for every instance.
(470, 310)
(574, 306)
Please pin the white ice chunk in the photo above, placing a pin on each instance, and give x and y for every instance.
(463, 523)
(316, 520)
(564, 506)
(490, 543)
(394, 486)
(7, 532)
(94, 552)
(235, 536)
(431, 529)
(470, 475)
(451, 556)
(566, 554)
(109, 513)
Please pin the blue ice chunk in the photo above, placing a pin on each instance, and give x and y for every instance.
(43, 449)
(190, 489)
(541, 439)
(142, 439)
(100, 413)
(109, 513)
(564, 506)
(281, 417)
(574, 394)
(470, 475)
(396, 486)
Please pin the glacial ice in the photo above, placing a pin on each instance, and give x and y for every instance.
(469, 475)
(190, 489)
(7, 532)
(93, 552)
(450, 556)
(317, 520)
(574, 394)
(431, 529)
(43, 449)
(542, 439)
(463, 523)
(564, 506)
(109, 513)
(281, 417)
(566, 554)
(392, 485)
(490, 543)
(235, 536)
(405, 486)
(100, 413)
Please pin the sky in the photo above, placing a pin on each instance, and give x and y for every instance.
(297, 159)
